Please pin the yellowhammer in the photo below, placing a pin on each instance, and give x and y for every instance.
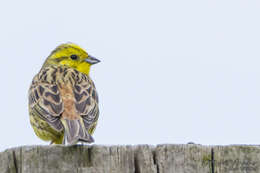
(63, 102)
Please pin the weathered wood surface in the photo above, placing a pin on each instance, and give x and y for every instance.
(131, 159)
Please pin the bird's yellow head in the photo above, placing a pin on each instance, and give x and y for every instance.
(73, 56)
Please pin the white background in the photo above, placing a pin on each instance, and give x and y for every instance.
(171, 71)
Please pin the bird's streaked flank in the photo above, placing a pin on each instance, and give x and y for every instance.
(63, 102)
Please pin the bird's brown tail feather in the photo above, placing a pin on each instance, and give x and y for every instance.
(75, 131)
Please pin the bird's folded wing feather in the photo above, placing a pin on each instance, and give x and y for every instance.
(46, 102)
(86, 101)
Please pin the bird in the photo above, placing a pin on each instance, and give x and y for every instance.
(63, 101)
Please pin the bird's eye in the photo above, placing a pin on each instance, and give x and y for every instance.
(74, 57)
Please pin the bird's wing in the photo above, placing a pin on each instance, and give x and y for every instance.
(46, 102)
(86, 101)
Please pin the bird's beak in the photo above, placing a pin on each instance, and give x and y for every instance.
(91, 60)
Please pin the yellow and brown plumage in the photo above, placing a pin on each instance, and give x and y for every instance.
(63, 102)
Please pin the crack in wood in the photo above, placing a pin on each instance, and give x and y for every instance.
(136, 166)
(155, 161)
(15, 162)
(212, 161)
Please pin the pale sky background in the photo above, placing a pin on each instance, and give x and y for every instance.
(171, 71)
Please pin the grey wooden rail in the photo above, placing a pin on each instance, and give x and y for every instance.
(166, 158)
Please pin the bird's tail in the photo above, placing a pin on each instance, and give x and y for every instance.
(75, 131)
